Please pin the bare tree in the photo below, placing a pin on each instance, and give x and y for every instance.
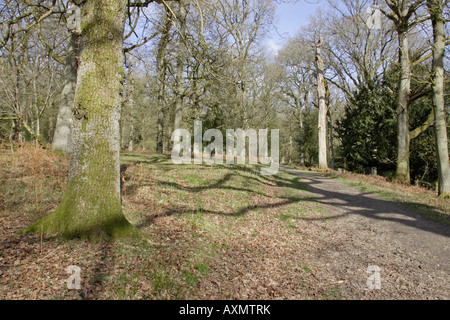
(322, 103)
(401, 14)
(161, 68)
(296, 80)
(62, 137)
(29, 80)
(179, 93)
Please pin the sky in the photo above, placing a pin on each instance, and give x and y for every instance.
(290, 17)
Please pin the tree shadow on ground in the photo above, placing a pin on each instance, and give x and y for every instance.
(363, 203)
(220, 184)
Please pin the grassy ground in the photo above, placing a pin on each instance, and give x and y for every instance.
(214, 232)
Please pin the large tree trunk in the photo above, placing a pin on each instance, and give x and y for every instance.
(91, 206)
(61, 138)
(322, 122)
(403, 134)
(437, 79)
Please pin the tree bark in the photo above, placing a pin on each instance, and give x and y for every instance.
(435, 8)
(131, 107)
(61, 138)
(322, 122)
(301, 134)
(330, 138)
(403, 134)
(161, 69)
(91, 206)
(180, 69)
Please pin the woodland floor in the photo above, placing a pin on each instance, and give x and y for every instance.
(226, 232)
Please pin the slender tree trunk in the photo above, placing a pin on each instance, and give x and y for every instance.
(300, 108)
(290, 148)
(61, 138)
(50, 130)
(14, 135)
(178, 119)
(322, 122)
(91, 205)
(330, 139)
(168, 137)
(329, 126)
(131, 107)
(437, 78)
(403, 134)
(161, 69)
(300, 123)
(244, 98)
(160, 134)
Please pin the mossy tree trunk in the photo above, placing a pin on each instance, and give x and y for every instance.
(402, 14)
(179, 91)
(91, 206)
(436, 8)
(161, 70)
(403, 136)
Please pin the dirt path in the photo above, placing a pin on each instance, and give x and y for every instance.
(411, 252)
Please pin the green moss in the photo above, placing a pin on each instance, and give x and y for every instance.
(59, 153)
(90, 207)
(68, 223)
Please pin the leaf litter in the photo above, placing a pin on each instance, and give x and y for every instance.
(215, 232)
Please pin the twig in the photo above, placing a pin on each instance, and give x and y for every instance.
(42, 231)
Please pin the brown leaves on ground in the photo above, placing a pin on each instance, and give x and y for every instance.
(220, 232)
(213, 233)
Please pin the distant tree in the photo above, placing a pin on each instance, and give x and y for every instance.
(323, 108)
(161, 67)
(62, 136)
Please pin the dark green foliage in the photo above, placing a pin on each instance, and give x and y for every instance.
(308, 137)
(368, 130)
(423, 148)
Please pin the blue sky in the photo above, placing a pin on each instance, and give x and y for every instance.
(290, 17)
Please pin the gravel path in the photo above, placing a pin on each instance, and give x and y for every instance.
(410, 252)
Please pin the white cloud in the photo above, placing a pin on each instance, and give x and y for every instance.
(272, 47)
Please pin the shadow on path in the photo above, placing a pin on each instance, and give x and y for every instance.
(349, 200)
